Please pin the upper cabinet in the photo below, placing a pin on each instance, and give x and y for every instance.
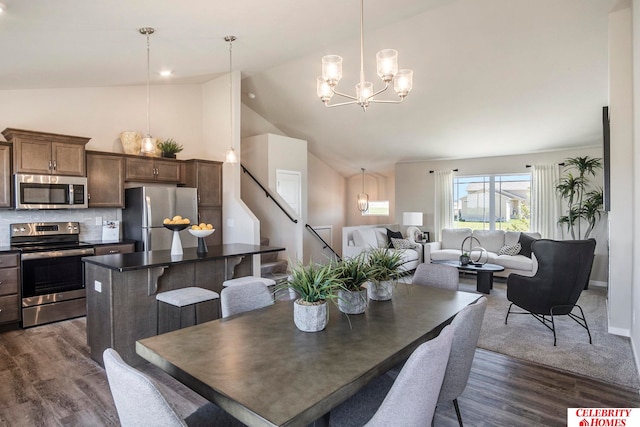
(206, 176)
(47, 153)
(150, 169)
(105, 180)
(5, 175)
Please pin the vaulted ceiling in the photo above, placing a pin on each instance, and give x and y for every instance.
(491, 77)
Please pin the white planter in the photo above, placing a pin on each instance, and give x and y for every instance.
(380, 291)
(310, 318)
(352, 302)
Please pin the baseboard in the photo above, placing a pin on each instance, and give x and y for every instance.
(619, 331)
(598, 283)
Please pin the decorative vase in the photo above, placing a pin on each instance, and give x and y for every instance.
(130, 142)
(352, 302)
(310, 317)
(464, 259)
(380, 291)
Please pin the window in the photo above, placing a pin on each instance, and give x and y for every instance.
(377, 208)
(492, 202)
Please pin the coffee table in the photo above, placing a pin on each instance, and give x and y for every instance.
(484, 273)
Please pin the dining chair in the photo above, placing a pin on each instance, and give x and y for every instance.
(411, 399)
(437, 275)
(244, 297)
(140, 402)
(466, 331)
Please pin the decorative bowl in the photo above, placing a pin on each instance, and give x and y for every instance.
(202, 233)
(176, 227)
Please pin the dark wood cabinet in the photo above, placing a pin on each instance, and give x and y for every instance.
(206, 176)
(9, 288)
(148, 169)
(105, 180)
(47, 153)
(5, 175)
(114, 248)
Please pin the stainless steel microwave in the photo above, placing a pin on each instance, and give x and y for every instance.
(50, 192)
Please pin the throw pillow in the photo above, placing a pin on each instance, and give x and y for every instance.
(526, 241)
(510, 250)
(401, 243)
(393, 234)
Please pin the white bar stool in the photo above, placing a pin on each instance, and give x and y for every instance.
(184, 307)
(248, 279)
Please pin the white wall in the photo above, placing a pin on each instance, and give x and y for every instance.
(635, 286)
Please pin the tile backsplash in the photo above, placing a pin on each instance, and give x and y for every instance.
(90, 220)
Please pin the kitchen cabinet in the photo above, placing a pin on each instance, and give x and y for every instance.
(5, 175)
(47, 153)
(105, 180)
(206, 176)
(149, 169)
(115, 248)
(9, 288)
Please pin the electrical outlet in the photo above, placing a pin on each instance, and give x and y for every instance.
(231, 222)
(98, 286)
(98, 220)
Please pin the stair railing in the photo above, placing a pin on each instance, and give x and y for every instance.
(326, 245)
(268, 194)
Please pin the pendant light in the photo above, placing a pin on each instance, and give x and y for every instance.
(148, 145)
(231, 156)
(363, 198)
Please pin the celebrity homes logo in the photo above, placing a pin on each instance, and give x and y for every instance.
(603, 417)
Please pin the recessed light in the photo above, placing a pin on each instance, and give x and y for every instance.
(3, 7)
(166, 73)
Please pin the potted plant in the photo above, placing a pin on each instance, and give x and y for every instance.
(384, 270)
(314, 284)
(352, 274)
(464, 258)
(169, 147)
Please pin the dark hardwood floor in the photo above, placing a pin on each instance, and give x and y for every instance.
(48, 379)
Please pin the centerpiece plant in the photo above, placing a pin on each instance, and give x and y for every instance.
(169, 148)
(353, 273)
(384, 271)
(315, 284)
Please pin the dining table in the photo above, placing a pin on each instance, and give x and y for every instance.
(262, 370)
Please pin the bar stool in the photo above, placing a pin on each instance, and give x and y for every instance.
(248, 279)
(184, 307)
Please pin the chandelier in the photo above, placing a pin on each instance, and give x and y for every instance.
(387, 66)
(363, 198)
(148, 145)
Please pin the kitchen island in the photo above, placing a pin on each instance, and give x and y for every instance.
(121, 289)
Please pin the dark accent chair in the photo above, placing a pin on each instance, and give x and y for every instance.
(564, 268)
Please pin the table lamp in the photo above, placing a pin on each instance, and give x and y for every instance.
(413, 219)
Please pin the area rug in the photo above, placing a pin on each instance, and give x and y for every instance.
(609, 358)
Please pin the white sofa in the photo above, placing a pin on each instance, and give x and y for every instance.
(492, 241)
(358, 239)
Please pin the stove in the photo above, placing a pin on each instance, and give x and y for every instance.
(52, 282)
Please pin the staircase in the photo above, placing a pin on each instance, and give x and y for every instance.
(271, 266)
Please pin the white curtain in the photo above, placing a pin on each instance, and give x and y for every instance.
(443, 203)
(545, 203)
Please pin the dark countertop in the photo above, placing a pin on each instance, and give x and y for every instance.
(141, 260)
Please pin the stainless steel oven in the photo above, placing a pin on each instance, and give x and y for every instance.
(52, 271)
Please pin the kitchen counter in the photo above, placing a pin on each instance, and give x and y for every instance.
(121, 289)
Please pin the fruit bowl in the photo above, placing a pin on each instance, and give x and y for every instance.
(176, 227)
(201, 233)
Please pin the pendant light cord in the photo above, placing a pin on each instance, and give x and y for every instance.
(148, 97)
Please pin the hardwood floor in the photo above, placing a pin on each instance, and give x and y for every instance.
(48, 379)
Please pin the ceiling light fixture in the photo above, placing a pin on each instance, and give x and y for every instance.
(148, 145)
(363, 198)
(231, 156)
(387, 65)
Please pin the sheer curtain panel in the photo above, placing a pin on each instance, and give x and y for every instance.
(545, 204)
(443, 203)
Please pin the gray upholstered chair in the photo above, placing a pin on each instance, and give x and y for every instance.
(244, 297)
(411, 399)
(437, 275)
(139, 401)
(466, 329)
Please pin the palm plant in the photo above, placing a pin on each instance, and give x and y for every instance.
(581, 205)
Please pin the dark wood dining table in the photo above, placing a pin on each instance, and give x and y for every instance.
(261, 369)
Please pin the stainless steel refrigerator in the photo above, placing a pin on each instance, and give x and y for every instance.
(146, 208)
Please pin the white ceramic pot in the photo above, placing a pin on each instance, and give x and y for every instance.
(380, 291)
(352, 302)
(310, 317)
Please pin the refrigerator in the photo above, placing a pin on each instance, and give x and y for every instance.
(146, 208)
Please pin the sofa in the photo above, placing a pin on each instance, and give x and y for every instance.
(509, 249)
(358, 239)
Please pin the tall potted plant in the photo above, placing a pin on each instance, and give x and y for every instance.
(314, 284)
(384, 271)
(352, 274)
(583, 204)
